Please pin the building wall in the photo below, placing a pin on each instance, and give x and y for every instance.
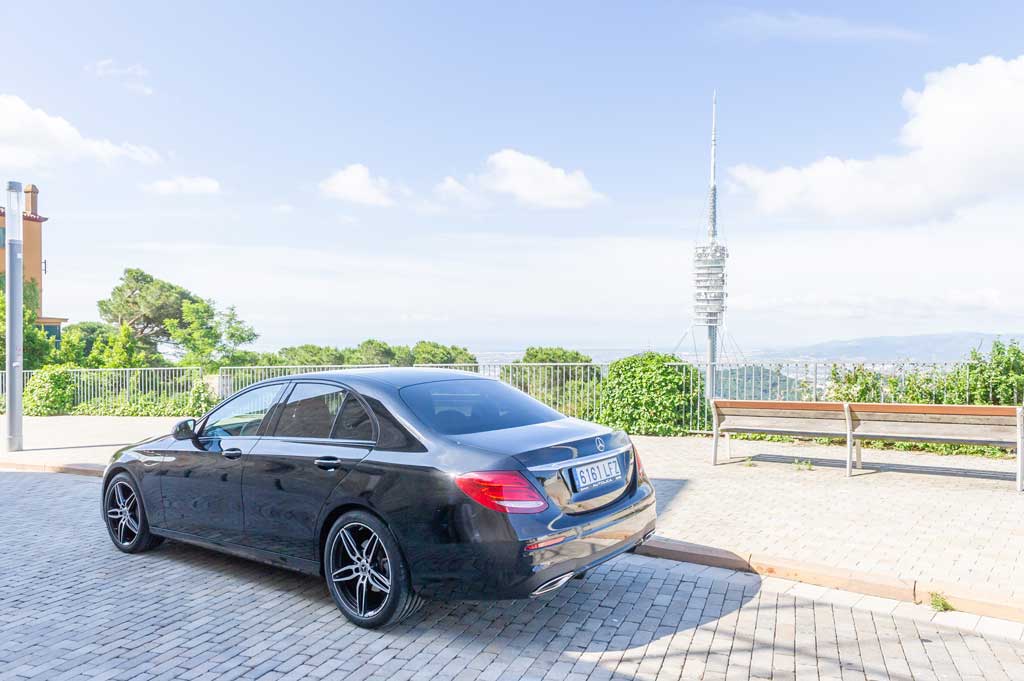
(32, 253)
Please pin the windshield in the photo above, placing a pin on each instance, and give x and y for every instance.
(474, 406)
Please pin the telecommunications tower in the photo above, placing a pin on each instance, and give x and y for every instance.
(709, 274)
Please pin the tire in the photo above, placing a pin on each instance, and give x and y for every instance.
(125, 516)
(366, 572)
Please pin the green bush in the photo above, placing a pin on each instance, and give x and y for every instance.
(652, 394)
(196, 402)
(50, 391)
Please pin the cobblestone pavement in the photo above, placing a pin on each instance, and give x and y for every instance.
(908, 515)
(72, 606)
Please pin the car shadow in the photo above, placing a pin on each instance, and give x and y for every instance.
(667, 491)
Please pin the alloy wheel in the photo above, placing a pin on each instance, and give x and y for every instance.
(123, 513)
(361, 569)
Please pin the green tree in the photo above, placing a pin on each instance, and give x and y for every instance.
(208, 337)
(544, 355)
(372, 351)
(90, 333)
(542, 380)
(72, 349)
(430, 352)
(36, 345)
(144, 303)
(120, 351)
(312, 355)
(402, 356)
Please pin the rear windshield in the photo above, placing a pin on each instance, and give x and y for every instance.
(474, 406)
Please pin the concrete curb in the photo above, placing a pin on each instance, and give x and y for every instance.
(91, 469)
(964, 599)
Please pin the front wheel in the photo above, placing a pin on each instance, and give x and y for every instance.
(125, 516)
(366, 573)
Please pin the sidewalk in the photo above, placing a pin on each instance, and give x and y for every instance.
(77, 444)
(906, 526)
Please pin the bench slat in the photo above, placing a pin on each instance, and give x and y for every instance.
(891, 417)
(783, 413)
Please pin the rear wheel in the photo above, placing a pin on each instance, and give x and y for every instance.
(125, 516)
(366, 573)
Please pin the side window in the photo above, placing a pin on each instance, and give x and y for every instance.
(310, 411)
(393, 436)
(243, 414)
(353, 423)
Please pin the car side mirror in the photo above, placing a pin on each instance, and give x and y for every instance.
(184, 430)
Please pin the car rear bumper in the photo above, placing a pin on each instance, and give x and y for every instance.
(508, 569)
(551, 567)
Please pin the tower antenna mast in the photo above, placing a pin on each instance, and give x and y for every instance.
(709, 271)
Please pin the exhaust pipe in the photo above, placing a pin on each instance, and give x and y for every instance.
(552, 584)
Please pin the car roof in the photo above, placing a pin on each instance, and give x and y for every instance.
(392, 377)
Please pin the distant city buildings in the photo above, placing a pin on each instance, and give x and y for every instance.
(34, 267)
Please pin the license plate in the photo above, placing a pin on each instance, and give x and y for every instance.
(596, 473)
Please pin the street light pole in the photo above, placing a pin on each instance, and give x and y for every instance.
(15, 316)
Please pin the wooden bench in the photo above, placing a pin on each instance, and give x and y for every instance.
(858, 421)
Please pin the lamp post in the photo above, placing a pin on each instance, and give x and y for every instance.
(15, 317)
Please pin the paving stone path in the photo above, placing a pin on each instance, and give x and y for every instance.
(954, 519)
(71, 606)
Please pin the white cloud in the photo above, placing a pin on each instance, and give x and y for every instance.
(283, 208)
(797, 26)
(536, 182)
(450, 194)
(132, 76)
(184, 185)
(963, 143)
(354, 184)
(31, 139)
(451, 189)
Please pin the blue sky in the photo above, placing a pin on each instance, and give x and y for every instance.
(500, 175)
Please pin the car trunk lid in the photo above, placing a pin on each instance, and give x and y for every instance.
(581, 466)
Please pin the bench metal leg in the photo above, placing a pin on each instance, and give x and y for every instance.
(1020, 449)
(856, 452)
(714, 447)
(849, 439)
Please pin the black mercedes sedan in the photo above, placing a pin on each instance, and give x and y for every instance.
(395, 485)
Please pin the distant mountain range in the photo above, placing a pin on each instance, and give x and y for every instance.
(935, 347)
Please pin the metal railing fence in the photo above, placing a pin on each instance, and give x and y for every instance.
(125, 385)
(577, 389)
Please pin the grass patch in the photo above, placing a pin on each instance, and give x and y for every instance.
(803, 465)
(940, 603)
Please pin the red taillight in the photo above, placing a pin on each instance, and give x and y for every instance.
(544, 543)
(504, 491)
(639, 464)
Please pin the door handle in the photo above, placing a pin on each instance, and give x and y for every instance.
(328, 463)
(232, 453)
